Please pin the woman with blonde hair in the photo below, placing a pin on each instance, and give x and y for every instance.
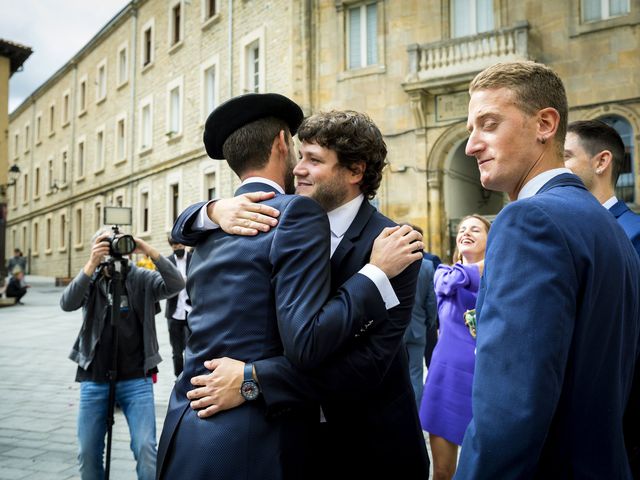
(445, 410)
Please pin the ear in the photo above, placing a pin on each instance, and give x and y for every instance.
(280, 144)
(548, 122)
(602, 162)
(356, 172)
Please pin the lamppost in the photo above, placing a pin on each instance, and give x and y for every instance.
(14, 174)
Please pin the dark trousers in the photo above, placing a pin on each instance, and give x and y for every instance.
(178, 334)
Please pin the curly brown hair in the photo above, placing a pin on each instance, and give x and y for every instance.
(355, 139)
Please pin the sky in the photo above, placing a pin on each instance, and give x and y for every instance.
(55, 30)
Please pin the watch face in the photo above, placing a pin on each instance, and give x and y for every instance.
(249, 390)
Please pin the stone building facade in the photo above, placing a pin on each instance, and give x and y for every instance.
(121, 123)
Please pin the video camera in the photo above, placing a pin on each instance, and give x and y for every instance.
(119, 244)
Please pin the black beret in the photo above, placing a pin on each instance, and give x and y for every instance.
(239, 111)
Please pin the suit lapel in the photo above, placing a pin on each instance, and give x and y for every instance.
(339, 272)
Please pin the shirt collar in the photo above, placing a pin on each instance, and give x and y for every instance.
(532, 186)
(263, 180)
(610, 203)
(340, 218)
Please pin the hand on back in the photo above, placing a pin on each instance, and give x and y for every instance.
(243, 215)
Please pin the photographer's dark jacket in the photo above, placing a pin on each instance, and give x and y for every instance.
(145, 287)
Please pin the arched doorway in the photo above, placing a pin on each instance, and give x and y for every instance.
(464, 194)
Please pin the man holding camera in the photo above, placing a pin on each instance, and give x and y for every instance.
(133, 338)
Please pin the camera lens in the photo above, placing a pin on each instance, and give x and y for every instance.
(123, 245)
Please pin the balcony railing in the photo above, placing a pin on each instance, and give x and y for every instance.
(464, 56)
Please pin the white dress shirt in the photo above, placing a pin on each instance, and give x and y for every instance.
(536, 183)
(610, 203)
(182, 307)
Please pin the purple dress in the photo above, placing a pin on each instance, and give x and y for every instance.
(446, 402)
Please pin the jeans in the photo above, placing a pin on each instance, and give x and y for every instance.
(135, 397)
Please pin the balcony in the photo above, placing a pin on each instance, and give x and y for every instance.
(440, 66)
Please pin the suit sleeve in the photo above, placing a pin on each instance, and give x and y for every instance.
(526, 314)
(360, 366)
(182, 231)
(312, 328)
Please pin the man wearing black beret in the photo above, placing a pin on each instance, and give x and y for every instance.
(256, 297)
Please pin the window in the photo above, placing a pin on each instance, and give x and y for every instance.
(252, 63)
(36, 182)
(175, 24)
(209, 87)
(147, 43)
(63, 231)
(52, 119)
(78, 227)
(595, 10)
(144, 212)
(82, 96)
(36, 238)
(146, 124)
(25, 188)
(50, 173)
(47, 236)
(65, 167)
(65, 108)
(625, 187)
(101, 81)
(123, 65)
(469, 17)
(81, 153)
(97, 217)
(100, 150)
(16, 145)
(121, 138)
(209, 9)
(210, 185)
(362, 36)
(174, 109)
(27, 138)
(38, 128)
(175, 202)
(24, 235)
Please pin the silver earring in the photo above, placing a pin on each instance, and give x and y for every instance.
(543, 140)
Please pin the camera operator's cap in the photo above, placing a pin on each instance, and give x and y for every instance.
(239, 111)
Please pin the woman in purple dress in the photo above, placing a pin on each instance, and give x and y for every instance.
(445, 410)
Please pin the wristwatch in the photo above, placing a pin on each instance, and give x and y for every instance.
(249, 388)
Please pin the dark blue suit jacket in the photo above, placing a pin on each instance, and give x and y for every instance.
(372, 428)
(253, 298)
(558, 339)
(629, 221)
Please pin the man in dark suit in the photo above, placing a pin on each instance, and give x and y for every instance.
(595, 152)
(424, 319)
(558, 313)
(178, 307)
(264, 296)
(372, 429)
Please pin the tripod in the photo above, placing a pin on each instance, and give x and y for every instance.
(117, 269)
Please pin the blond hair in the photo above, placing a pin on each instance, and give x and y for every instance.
(535, 86)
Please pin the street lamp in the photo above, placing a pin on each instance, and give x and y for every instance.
(14, 174)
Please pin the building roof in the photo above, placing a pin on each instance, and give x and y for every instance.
(15, 52)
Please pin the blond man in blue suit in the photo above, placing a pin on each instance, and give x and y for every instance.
(558, 310)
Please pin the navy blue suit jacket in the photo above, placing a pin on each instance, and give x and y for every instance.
(558, 333)
(364, 388)
(253, 298)
(629, 221)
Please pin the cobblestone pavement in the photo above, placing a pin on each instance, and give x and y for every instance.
(38, 395)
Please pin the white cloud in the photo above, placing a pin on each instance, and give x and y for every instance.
(55, 30)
